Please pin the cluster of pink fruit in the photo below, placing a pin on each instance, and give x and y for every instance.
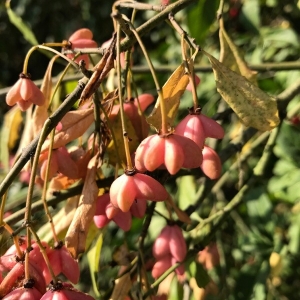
(168, 249)
(183, 147)
(15, 286)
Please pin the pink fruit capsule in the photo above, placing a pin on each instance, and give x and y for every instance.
(23, 294)
(191, 127)
(161, 245)
(172, 151)
(24, 92)
(82, 38)
(211, 165)
(178, 248)
(128, 188)
(162, 265)
(197, 82)
(211, 128)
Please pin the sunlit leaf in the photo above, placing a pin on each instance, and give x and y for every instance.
(93, 257)
(19, 23)
(293, 235)
(186, 191)
(10, 134)
(119, 138)
(172, 92)
(253, 106)
(78, 230)
(196, 270)
(62, 220)
(250, 15)
(275, 262)
(231, 57)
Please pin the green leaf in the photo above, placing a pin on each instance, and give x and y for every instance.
(286, 187)
(186, 191)
(252, 280)
(259, 290)
(288, 144)
(197, 271)
(201, 17)
(251, 14)
(93, 256)
(294, 234)
(279, 36)
(283, 166)
(176, 290)
(259, 206)
(18, 22)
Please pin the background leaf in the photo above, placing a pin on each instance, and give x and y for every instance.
(93, 256)
(200, 18)
(18, 22)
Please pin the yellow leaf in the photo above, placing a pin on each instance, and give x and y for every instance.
(78, 230)
(118, 133)
(10, 135)
(275, 261)
(231, 57)
(93, 257)
(254, 107)
(13, 120)
(172, 92)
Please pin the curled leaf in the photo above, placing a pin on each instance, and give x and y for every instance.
(172, 92)
(254, 107)
(73, 125)
(40, 113)
(122, 287)
(78, 230)
(62, 220)
(182, 216)
(231, 57)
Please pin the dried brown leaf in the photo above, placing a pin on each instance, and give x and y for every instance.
(122, 287)
(78, 230)
(40, 114)
(254, 107)
(74, 125)
(61, 219)
(172, 92)
(182, 216)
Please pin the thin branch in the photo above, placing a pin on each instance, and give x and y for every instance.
(264, 67)
(58, 197)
